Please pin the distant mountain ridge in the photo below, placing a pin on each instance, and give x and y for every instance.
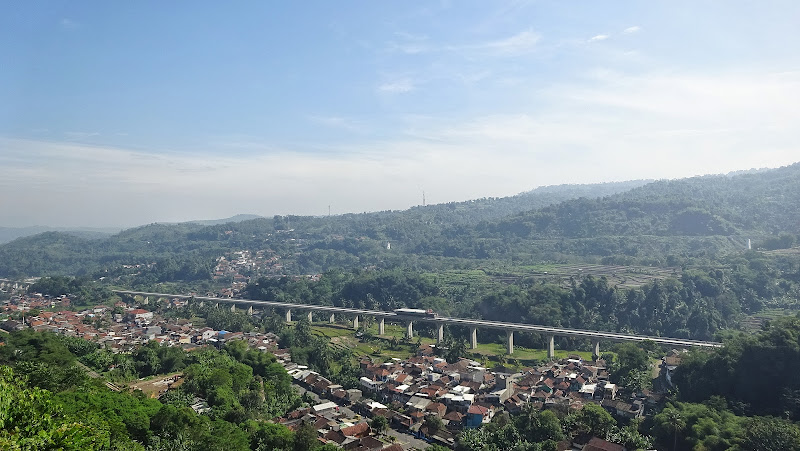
(639, 220)
(12, 233)
(761, 201)
(8, 234)
(235, 218)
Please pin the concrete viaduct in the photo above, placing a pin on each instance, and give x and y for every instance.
(472, 324)
(15, 284)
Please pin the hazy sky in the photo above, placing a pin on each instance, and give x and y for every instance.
(125, 113)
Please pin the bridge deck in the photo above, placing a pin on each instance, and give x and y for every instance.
(479, 323)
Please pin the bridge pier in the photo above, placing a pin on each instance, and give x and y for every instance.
(545, 332)
(250, 310)
(355, 322)
(233, 307)
(382, 326)
(310, 316)
(145, 301)
(440, 334)
(333, 318)
(410, 330)
(510, 341)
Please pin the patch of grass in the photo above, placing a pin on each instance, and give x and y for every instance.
(380, 347)
(332, 330)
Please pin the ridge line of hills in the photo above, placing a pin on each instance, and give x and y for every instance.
(630, 222)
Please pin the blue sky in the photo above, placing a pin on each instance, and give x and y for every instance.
(119, 114)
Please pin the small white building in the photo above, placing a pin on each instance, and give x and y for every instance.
(319, 408)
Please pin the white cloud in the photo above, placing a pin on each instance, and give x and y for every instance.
(397, 86)
(608, 127)
(69, 24)
(517, 44)
(410, 43)
(631, 30)
(81, 135)
(599, 37)
(339, 122)
(521, 43)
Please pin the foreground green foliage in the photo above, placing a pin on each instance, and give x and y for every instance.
(40, 408)
(31, 420)
(751, 372)
(712, 427)
(534, 430)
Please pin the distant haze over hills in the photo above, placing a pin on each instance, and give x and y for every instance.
(553, 193)
(666, 222)
(9, 230)
(12, 233)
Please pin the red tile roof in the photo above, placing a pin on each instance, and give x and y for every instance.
(356, 430)
(477, 410)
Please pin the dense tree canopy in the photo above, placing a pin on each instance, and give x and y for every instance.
(49, 393)
(741, 370)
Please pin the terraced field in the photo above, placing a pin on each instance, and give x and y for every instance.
(622, 276)
(791, 251)
(753, 323)
(479, 281)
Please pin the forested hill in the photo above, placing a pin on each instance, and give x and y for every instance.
(658, 223)
(762, 203)
(662, 223)
(51, 252)
(12, 233)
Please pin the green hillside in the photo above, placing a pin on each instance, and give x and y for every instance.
(663, 223)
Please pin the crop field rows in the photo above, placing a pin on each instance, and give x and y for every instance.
(753, 323)
(622, 276)
(784, 252)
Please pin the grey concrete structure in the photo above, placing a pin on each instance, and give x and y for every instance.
(17, 284)
(381, 326)
(472, 324)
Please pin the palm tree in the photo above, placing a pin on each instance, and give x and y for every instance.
(675, 423)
